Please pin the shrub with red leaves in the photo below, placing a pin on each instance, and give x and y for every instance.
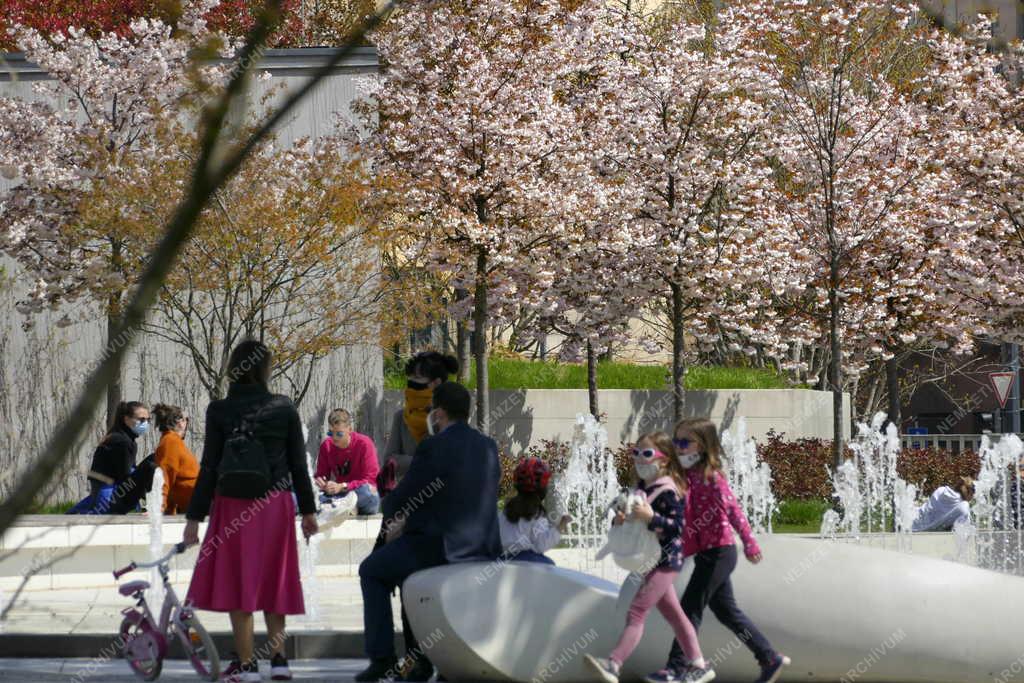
(57, 16)
(556, 454)
(236, 18)
(53, 17)
(929, 468)
(800, 468)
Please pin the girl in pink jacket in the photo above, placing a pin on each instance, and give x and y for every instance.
(712, 513)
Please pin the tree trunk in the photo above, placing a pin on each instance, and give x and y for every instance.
(592, 380)
(115, 390)
(462, 350)
(483, 407)
(836, 376)
(678, 354)
(892, 384)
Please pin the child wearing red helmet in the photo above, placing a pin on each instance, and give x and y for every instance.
(526, 531)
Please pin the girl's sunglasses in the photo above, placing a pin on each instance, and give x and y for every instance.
(647, 453)
(682, 443)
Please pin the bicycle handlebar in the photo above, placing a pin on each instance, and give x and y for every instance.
(118, 573)
(176, 550)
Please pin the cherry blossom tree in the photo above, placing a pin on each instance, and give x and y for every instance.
(685, 136)
(986, 131)
(475, 145)
(94, 121)
(861, 204)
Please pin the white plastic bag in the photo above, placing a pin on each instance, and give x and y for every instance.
(633, 547)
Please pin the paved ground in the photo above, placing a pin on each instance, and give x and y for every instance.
(88, 670)
(337, 605)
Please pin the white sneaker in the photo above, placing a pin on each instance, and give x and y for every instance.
(607, 670)
(695, 674)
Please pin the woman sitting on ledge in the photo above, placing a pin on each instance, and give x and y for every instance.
(113, 461)
(947, 507)
(173, 456)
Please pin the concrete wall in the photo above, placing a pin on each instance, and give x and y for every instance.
(42, 369)
(525, 417)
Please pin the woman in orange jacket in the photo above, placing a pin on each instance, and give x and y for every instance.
(172, 455)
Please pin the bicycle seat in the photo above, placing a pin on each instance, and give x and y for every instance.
(133, 587)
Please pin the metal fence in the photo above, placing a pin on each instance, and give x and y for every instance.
(953, 443)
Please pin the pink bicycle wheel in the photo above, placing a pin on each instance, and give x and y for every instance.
(199, 647)
(142, 648)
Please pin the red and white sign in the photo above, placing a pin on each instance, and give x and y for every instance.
(1002, 382)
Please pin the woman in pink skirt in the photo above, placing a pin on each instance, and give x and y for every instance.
(253, 458)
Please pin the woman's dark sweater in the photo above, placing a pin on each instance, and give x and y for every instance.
(278, 429)
(115, 457)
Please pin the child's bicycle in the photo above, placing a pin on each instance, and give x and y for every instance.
(146, 641)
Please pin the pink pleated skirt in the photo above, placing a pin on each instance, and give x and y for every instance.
(249, 560)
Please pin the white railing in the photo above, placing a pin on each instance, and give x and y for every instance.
(954, 443)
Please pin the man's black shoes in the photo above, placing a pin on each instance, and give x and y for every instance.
(420, 672)
(380, 669)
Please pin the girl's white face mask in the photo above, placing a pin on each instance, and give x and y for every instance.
(689, 460)
(648, 471)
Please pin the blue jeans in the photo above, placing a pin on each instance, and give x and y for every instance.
(386, 568)
(367, 499)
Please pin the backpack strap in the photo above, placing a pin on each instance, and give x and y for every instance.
(662, 484)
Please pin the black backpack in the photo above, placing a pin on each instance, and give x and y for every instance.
(244, 470)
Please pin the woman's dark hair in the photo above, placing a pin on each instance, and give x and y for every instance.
(167, 416)
(525, 506)
(124, 409)
(250, 363)
(432, 365)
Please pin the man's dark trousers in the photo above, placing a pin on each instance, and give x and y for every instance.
(382, 571)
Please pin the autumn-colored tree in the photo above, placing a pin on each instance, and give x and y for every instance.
(304, 22)
(94, 126)
(327, 22)
(281, 256)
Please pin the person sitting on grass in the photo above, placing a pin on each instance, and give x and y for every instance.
(348, 464)
(946, 507)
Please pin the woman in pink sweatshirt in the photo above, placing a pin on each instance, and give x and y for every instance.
(347, 463)
(712, 513)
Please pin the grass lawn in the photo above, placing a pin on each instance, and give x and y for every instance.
(509, 373)
(799, 516)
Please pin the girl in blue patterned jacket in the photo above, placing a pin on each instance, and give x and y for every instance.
(663, 483)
